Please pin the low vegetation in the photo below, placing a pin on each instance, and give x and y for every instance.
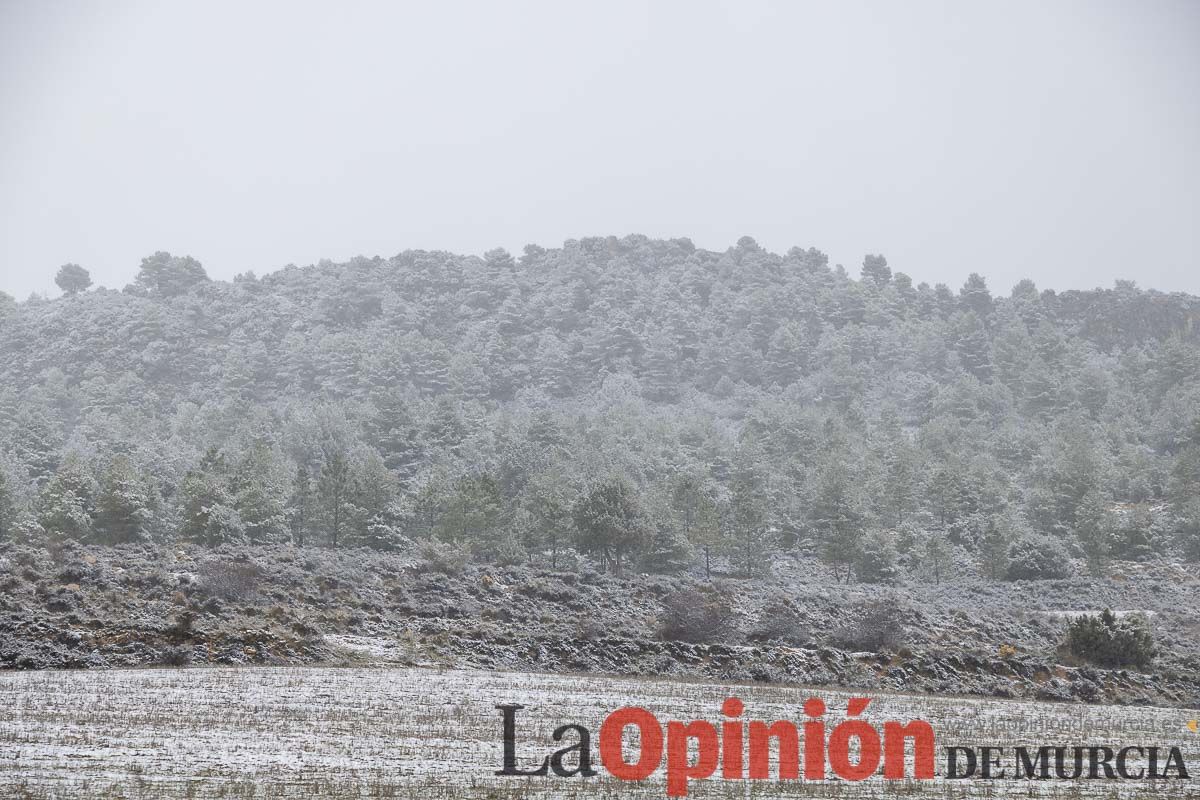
(1112, 641)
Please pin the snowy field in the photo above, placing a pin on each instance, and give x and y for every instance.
(420, 733)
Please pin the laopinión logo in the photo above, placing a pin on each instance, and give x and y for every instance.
(741, 749)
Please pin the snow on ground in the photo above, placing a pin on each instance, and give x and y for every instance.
(423, 733)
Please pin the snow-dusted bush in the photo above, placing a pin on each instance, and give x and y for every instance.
(1034, 557)
(696, 615)
(1110, 641)
(779, 621)
(447, 559)
(876, 625)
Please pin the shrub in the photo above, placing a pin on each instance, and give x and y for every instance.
(590, 630)
(230, 580)
(548, 588)
(780, 622)
(694, 615)
(874, 626)
(1111, 642)
(444, 558)
(76, 572)
(176, 656)
(182, 628)
(1035, 558)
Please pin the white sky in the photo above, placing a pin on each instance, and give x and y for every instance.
(1054, 140)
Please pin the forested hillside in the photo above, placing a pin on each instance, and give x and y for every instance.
(640, 402)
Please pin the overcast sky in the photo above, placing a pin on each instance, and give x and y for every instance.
(1054, 140)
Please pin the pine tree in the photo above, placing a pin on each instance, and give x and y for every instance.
(374, 520)
(1093, 527)
(838, 516)
(431, 498)
(697, 511)
(396, 434)
(474, 514)
(447, 430)
(553, 367)
(935, 556)
(430, 367)
(549, 508)
(876, 560)
(73, 279)
(126, 507)
(660, 370)
(609, 522)
(207, 504)
(66, 505)
(300, 506)
(993, 549)
(168, 276)
(788, 353)
(975, 296)
(259, 495)
(903, 476)
(333, 493)
(1070, 466)
(875, 270)
(749, 539)
(666, 550)
(974, 348)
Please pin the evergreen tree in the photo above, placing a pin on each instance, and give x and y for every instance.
(935, 556)
(73, 279)
(1094, 529)
(260, 496)
(788, 353)
(207, 505)
(993, 549)
(66, 505)
(660, 373)
(1037, 557)
(903, 477)
(609, 522)
(666, 549)
(975, 296)
(549, 509)
(126, 507)
(837, 516)
(749, 539)
(973, 347)
(875, 270)
(473, 515)
(169, 276)
(876, 559)
(374, 523)
(300, 506)
(395, 433)
(699, 518)
(1070, 466)
(447, 431)
(333, 495)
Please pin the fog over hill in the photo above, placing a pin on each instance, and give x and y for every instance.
(639, 400)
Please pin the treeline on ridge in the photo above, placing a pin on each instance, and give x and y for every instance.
(641, 402)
